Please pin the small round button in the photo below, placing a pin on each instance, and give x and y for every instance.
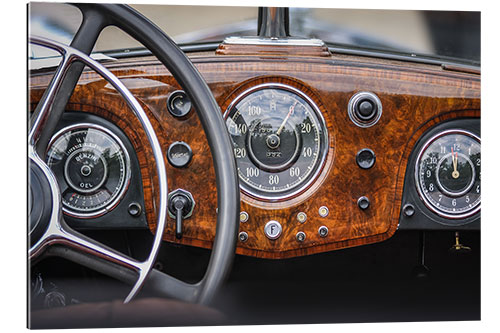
(243, 217)
(365, 109)
(301, 217)
(323, 231)
(178, 104)
(179, 154)
(243, 236)
(365, 158)
(272, 229)
(301, 236)
(363, 203)
(409, 210)
(134, 209)
(323, 211)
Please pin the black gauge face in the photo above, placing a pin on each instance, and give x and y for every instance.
(280, 141)
(92, 168)
(449, 174)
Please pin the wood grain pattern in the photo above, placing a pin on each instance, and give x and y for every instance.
(414, 98)
(272, 50)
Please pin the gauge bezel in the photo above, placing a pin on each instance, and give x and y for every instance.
(426, 201)
(324, 147)
(109, 207)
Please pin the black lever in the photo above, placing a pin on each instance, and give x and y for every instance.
(180, 206)
(421, 271)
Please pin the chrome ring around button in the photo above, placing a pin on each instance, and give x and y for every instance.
(272, 229)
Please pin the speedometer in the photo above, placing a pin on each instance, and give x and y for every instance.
(280, 140)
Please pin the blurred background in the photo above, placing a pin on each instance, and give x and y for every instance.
(443, 33)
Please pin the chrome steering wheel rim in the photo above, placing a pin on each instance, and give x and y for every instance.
(95, 18)
(57, 231)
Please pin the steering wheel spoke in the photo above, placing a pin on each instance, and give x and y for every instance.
(87, 251)
(42, 112)
(57, 231)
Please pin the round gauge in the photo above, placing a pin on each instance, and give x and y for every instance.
(448, 174)
(280, 140)
(92, 168)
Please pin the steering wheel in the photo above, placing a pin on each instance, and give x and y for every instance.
(50, 235)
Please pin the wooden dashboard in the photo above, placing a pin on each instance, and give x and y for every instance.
(414, 98)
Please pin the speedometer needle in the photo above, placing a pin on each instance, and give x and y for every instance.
(454, 158)
(286, 118)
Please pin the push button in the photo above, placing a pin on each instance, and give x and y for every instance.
(272, 229)
(179, 154)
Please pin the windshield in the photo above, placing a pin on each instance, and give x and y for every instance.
(435, 33)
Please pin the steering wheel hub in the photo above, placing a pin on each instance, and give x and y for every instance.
(39, 202)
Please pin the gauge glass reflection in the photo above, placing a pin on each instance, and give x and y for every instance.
(92, 168)
(279, 138)
(449, 174)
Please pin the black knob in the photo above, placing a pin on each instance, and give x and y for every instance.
(365, 109)
(363, 203)
(179, 104)
(243, 236)
(365, 158)
(179, 154)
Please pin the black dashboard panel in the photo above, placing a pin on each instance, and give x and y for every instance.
(129, 212)
(418, 216)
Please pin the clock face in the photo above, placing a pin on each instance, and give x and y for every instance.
(448, 174)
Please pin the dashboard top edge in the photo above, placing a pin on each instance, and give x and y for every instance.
(334, 49)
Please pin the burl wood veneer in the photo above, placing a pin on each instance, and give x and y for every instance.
(414, 98)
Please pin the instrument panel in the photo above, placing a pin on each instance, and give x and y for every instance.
(288, 112)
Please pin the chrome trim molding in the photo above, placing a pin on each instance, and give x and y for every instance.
(288, 41)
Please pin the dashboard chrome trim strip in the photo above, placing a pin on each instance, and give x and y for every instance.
(275, 41)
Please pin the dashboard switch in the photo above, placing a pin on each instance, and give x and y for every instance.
(243, 217)
(363, 203)
(323, 231)
(323, 211)
(273, 230)
(134, 209)
(179, 154)
(301, 236)
(181, 206)
(243, 236)
(301, 217)
(409, 210)
(179, 104)
(365, 158)
(364, 109)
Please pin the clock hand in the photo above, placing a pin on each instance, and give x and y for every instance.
(454, 157)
